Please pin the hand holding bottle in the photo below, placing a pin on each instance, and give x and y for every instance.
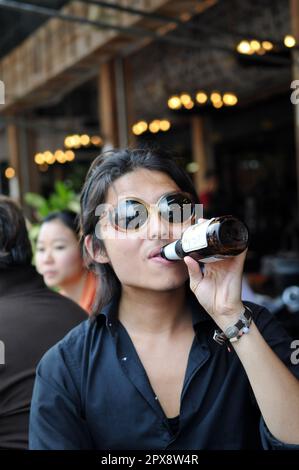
(218, 287)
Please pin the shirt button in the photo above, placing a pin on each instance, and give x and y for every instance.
(156, 398)
(110, 324)
(124, 358)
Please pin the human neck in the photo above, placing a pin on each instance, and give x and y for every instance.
(74, 289)
(152, 312)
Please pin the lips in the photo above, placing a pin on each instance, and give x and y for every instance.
(155, 257)
(155, 252)
(50, 273)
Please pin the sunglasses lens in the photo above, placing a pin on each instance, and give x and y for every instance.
(176, 208)
(130, 215)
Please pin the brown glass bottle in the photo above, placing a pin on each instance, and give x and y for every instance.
(211, 240)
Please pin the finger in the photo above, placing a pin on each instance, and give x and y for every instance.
(241, 257)
(194, 270)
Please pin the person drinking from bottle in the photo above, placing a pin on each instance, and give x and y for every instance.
(171, 359)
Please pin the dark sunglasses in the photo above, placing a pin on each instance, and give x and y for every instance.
(132, 214)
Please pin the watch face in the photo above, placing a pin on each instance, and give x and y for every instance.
(231, 331)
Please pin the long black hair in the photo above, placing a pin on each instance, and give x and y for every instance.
(15, 246)
(69, 218)
(105, 169)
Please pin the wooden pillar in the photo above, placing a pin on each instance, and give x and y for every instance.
(107, 105)
(34, 182)
(21, 146)
(199, 151)
(14, 160)
(131, 118)
(121, 102)
(294, 15)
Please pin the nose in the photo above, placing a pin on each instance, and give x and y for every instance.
(48, 257)
(157, 228)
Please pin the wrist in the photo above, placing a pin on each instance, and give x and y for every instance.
(230, 316)
(235, 330)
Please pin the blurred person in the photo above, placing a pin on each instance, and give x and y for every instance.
(32, 319)
(59, 260)
(145, 371)
(212, 197)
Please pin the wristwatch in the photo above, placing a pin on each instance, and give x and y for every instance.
(234, 332)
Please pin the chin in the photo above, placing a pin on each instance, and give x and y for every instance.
(168, 286)
(50, 283)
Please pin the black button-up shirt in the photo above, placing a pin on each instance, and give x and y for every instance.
(92, 392)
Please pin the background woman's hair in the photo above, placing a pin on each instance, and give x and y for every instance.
(69, 218)
(15, 246)
(105, 169)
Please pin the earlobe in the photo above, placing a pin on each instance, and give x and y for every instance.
(96, 255)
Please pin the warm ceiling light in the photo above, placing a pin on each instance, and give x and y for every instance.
(244, 47)
(60, 156)
(218, 104)
(165, 125)
(255, 45)
(267, 45)
(10, 173)
(85, 140)
(185, 99)
(230, 99)
(201, 97)
(154, 126)
(96, 140)
(174, 102)
(189, 105)
(69, 141)
(289, 41)
(215, 97)
(51, 160)
(47, 156)
(76, 141)
(142, 126)
(136, 130)
(69, 155)
(39, 159)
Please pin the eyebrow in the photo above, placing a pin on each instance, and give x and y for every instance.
(55, 240)
(130, 196)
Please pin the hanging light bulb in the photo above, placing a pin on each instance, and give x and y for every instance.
(10, 173)
(289, 41)
(165, 125)
(267, 45)
(174, 102)
(230, 99)
(244, 47)
(201, 97)
(154, 126)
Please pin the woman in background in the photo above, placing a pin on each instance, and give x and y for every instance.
(59, 259)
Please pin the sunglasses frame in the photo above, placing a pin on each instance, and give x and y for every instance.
(149, 209)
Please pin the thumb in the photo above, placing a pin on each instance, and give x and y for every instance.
(194, 271)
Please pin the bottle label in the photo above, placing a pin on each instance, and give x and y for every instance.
(195, 237)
